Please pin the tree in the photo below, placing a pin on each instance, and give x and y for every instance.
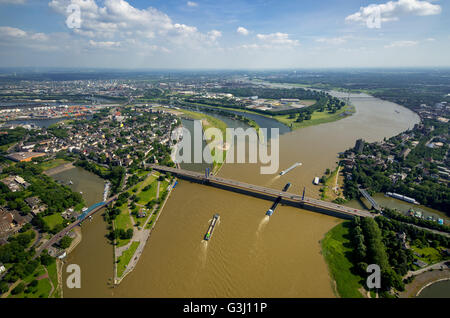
(18, 289)
(65, 242)
(3, 287)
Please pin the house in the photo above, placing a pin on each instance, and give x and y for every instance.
(6, 223)
(420, 263)
(35, 205)
(2, 269)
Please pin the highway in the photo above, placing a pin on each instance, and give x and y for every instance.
(286, 196)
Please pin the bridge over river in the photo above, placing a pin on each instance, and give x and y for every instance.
(89, 212)
(266, 193)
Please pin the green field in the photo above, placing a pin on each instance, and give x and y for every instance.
(316, 118)
(430, 255)
(335, 248)
(146, 196)
(50, 164)
(42, 290)
(123, 221)
(125, 258)
(53, 220)
(53, 275)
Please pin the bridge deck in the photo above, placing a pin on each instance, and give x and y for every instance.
(250, 188)
(58, 236)
(370, 199)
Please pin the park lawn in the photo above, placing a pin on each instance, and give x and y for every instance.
(146, 196)
(430, 256)
(53, 275)
(141, 173)
(125, 258)
(123, 221)
(163, 187)
(334, 250)
(53, 220)
(316, 118)
(42, 289)
(50, 164)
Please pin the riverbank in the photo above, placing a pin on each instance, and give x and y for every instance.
(335, 248)
(132, 253)
(209, 121)
(317, 118)
(424, 280)
(59, 168)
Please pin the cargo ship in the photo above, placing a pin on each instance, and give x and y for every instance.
(211, 227)
(295, 165)
(277, 201)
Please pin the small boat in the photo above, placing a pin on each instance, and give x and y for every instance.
(316, 180)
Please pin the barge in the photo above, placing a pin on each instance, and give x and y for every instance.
(211, 227)
(295, 165)
(277, 201)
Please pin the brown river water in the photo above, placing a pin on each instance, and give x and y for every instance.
(248, 254)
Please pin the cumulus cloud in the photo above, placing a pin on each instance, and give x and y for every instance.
(397, 44)
(242, 30)
(392, 10)
(192, 4)
(116, 20)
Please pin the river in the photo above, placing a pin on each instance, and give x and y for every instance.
(248, 255)
(437, 290)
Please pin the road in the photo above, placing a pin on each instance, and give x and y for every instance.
(55, 238)
(306, 202)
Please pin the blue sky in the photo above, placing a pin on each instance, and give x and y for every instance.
(228, 34)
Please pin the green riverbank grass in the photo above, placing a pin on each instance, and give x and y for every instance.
(125, 258)
(335, 249)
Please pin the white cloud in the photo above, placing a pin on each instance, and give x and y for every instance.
(397, 44)
(242, 30)
(12, 32)
(214, 35)
(333, 41)
(13, 1)
(392, 10)
(278, 38)
(118, 20)
(104, 44)
(192, 4)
